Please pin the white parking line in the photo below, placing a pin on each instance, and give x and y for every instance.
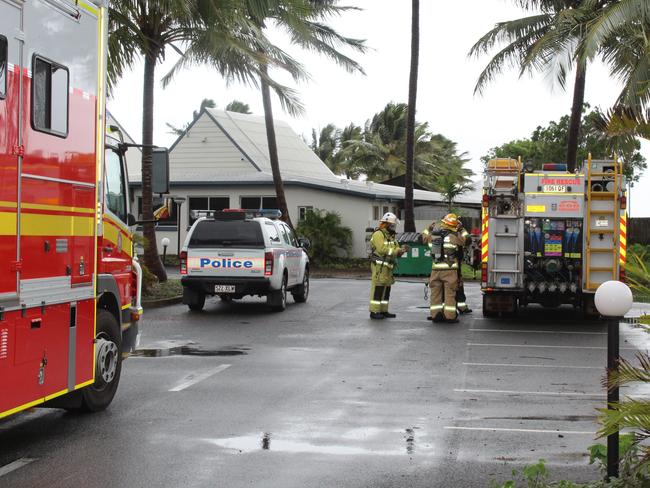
(194, 378)
(541, 346)
(524, 331)
(535, 393)
(527, 431)
(17, 464)
(507, 365)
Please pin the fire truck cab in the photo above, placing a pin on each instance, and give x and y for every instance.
(69, 280)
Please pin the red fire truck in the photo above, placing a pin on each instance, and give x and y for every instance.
(69, 281)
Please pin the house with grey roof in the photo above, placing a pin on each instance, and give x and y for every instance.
(221, 161)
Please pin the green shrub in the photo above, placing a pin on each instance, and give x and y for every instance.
(330, 239)
(636, 272)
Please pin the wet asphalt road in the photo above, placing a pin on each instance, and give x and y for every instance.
(320, 396)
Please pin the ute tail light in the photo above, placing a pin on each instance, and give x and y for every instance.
(623, 202)
(268, 263)
(484, 274)
(485, 201)
(183, 262)
(621, 274)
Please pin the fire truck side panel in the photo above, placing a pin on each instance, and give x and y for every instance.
(9, 108)
(47, 334)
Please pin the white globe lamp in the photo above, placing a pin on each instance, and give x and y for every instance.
(165, 242)
(613, 299)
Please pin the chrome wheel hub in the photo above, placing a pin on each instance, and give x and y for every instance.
(106, 360)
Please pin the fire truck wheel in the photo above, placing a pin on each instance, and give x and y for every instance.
(108, 364)
(486, 309)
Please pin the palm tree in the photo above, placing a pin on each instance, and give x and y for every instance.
(623, 33)
(143, 29)
(179, 131)
(239, 107)
(205, 103)
(547, 41)
(409, 215)
(139, 28)
(304, 20)
(451, 187)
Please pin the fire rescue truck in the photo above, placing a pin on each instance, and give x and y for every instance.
(70, 283)
(551, 237)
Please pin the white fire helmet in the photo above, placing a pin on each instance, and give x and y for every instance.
(389, 218)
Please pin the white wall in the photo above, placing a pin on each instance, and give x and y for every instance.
(355, 212)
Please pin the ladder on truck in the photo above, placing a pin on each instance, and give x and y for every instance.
(504, 183)
(604, 183)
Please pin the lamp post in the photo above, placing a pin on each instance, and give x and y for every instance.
(613, 300)
(165, 243)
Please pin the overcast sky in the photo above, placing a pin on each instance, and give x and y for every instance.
(510, 108)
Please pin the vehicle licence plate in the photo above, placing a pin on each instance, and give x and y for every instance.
(554, 188)
(224, 288)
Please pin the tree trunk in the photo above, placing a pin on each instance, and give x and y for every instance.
(151, 257)
(409, 214)
(273, 149)
(576, 116)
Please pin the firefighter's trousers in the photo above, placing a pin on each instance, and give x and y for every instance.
(379, 298)
(442, 286)
(461, 302)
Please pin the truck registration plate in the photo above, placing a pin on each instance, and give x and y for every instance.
(224, 288)
(554, 188)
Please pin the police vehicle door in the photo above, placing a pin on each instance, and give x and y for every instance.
(293, 254)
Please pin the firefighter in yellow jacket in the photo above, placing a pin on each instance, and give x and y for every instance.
(445, 242)
(383, 258)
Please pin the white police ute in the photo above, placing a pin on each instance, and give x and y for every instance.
(235, 253)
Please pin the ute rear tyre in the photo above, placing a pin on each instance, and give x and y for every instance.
(301, 292)
(198, 303)
(278, 299)
(108, 364)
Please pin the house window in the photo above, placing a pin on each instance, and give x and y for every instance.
(375, 212)
(256, 203)
(302, 212)
(50, 97)
(203, 204)
(158, 202)
(3, 67)
(386, 210)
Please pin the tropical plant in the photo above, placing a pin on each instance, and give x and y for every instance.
(305, 21)
(451, 186)
(238, 107)
(620, 32)
(330, 239)
(409, 215)
(378, 151)
(143, 29)
(234, 106)
(547, 41)
(179, 131)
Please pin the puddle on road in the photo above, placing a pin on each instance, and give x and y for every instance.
(189, 351)
(405, 444)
